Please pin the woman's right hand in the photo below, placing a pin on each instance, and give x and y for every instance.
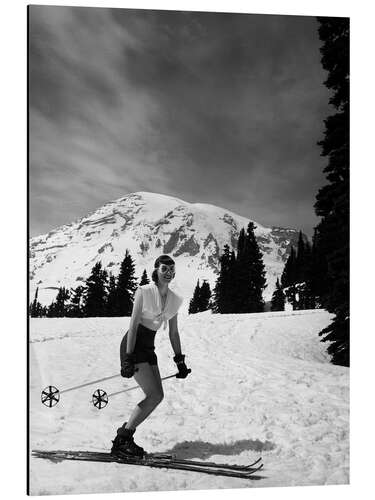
(128, 365)
(183, 370)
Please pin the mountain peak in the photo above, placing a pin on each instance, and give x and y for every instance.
(148, 224)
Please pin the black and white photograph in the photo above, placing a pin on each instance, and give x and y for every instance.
(188, 223)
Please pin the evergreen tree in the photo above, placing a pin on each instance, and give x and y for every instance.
(241, 244)
(96, 292)
(144, 279)
(301, 263)
(233, 284)
(288, 276)
(112, 297)
(126, 286)
(222, 298)
(332, 200)
(59, 307)
(319, 271)
(51, 310)
(62, 297)
(278, 298)
(300, 274)
(201, 300)
(309, 302)
(241, 274)
(36, 309)
(257, 273)
(33, 305)
(194, 302)
(76, 302)
(240, 285)
(297, 279)
(204, 296)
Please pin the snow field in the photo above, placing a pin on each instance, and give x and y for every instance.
(261, 384)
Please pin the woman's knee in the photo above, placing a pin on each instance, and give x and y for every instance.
(150, 383)
(157, 397)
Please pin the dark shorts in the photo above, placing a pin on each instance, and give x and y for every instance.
(144, 349)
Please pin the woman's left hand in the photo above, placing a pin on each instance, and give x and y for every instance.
(128, 366)
(183, 370)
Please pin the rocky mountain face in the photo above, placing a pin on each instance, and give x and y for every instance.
(148, 225)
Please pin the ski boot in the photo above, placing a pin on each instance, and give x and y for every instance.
(124, 446)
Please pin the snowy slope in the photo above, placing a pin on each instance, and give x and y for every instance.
(261, 384)
(148, 224)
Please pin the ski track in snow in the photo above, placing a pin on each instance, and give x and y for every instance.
(261, 384)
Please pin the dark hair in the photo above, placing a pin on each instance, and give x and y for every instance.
(163, 259)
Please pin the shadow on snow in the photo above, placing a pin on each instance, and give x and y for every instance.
(203, 450)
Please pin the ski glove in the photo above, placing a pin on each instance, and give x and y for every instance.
(127, 366)
(183, 370)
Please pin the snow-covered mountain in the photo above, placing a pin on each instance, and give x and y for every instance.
(149, 224)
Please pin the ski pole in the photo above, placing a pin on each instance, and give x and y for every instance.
(51, 395)
(136, 387)
(89, 383)
(100, 397)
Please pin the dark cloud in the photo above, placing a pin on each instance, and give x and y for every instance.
(222, 108)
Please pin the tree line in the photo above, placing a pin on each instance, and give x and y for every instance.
(103, 294)
(241, 280)
(299, 284)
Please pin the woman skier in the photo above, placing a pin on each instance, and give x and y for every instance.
(154, 305)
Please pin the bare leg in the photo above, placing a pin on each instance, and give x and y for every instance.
(155, 369)
(148, 378)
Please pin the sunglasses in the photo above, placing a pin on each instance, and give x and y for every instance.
(163, 268)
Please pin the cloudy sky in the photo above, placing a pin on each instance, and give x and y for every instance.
(217, 108)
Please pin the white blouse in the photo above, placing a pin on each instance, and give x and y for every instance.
(148, 306)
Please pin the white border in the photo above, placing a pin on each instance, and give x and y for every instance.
(13, 230)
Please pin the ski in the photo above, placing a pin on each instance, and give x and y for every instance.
(243, 468)
(191, 465)
(161, 461)
(166, 457)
